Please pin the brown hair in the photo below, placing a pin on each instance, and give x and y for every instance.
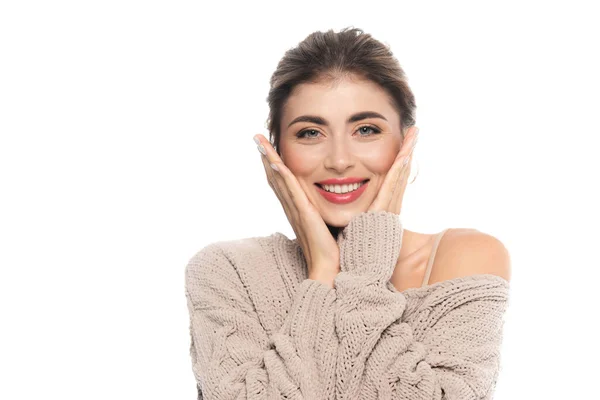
(330, 56)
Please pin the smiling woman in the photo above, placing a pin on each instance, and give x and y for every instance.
(355, 306)
(355, 140)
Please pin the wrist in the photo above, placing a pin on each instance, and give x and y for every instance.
(372, 240)
(326, 278)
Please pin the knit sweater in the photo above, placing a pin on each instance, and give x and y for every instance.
(260, 329)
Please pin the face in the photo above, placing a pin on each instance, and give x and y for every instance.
(335, 145)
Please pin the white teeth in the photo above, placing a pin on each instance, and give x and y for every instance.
(342, 188)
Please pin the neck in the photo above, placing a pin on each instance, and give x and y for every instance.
(334, 230)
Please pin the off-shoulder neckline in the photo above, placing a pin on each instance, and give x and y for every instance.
(425, 290)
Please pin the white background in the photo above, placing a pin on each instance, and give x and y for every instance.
(126, 146)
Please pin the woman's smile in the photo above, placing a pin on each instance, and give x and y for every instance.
(342, 194)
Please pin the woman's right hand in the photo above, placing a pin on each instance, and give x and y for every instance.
(318, 245)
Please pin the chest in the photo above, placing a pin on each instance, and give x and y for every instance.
(408, 276)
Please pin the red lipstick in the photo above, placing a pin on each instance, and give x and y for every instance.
(342, 198)
(341, 181)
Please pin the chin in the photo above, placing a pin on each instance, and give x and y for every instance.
(341, 219)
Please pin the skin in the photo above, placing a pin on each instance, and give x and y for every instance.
(338, 150)
(368, 148)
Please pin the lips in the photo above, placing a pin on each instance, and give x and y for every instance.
(342, 198)
(345, 183)
(342, 181)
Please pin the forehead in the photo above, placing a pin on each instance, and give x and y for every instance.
(337, 99)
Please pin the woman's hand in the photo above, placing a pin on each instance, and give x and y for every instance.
(391, 192)
(318, 245)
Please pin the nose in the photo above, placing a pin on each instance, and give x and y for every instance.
(339, 156)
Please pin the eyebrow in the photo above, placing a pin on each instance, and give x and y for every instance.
(322, 121)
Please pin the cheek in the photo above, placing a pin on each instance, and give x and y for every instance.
(301, 162)
(380, 160)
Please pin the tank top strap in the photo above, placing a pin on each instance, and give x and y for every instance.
(432, 256)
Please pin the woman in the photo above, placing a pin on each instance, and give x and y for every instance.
(355, 306)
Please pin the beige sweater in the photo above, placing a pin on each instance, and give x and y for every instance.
(261, 330)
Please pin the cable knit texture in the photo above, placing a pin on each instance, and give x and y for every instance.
(260, 329)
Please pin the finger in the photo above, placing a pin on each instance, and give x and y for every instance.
(286, 184)
(295, 191)
(401, 177)
(278, 185)
(395, 175)
(409, 143)
(275, 185)
(398, 194)
(400, 185)
(271, 179)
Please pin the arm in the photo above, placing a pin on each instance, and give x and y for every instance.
(232, 355)
(449, 351)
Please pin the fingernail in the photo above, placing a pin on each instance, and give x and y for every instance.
(274, 167)
(256, 140)
(405, 161)
(261, 148)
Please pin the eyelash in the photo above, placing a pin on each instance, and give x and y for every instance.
(374, 129)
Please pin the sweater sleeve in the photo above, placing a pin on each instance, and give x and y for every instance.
(449, 351)
(233, 357)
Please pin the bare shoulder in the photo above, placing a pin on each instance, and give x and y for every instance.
(463, 252)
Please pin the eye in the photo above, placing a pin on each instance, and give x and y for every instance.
(301, 134)
(368, 129)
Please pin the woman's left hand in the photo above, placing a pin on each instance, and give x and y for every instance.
(389, 197)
